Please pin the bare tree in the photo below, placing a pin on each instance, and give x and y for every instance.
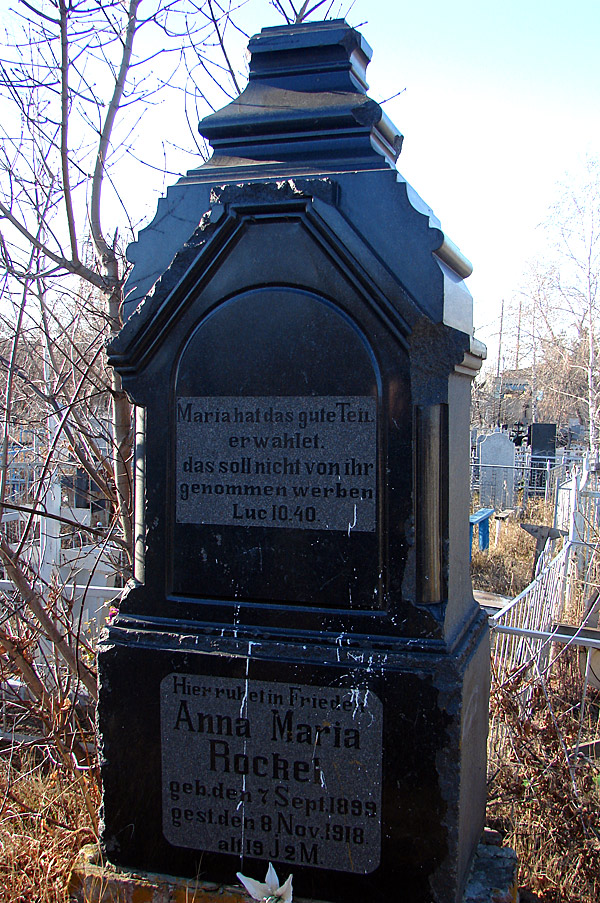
(554, 320)
(575, 277)
(69, 80)
(75, 78)
(294, 14)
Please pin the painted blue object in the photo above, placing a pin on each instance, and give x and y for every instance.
(482, 519)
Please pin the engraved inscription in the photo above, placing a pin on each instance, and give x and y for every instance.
(308, 463)
(274, 771)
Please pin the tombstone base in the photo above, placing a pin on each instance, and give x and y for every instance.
(493, 880)
(95, 880)
(417, 787)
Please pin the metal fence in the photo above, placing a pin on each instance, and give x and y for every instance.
(558, 609)
(529, 477)
(522, 629)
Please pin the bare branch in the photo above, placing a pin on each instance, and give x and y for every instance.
(75, 267)
(64, 129)
(37, 605)
(39, 13)
(104, 250)
(222, 46)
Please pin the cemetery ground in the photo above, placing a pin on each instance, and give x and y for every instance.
(544, 808)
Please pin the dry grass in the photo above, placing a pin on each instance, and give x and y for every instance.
(546, 806)
(546, 809)
(506, 569)
(43, 824)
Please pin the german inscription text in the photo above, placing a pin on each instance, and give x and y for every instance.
(276, 771)
(300, 462)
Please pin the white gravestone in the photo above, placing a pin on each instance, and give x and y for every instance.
(497, 477)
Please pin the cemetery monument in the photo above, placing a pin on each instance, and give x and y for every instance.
(299, 674)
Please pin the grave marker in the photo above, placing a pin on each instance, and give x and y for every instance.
(497, 474)
(300, 672)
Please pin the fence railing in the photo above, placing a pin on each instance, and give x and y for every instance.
(529, 632)
(528, 477)
(519, 628)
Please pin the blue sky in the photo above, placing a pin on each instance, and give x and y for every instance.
(502, 101)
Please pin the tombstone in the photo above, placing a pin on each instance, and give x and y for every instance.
(300, 672)
(542, 439)
(497, 472)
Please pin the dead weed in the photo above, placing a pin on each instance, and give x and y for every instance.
(544, 801)
(507, 567)
(43, 824)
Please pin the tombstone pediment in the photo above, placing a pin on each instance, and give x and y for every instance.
(293, 234)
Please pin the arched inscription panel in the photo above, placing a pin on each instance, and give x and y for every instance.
(277, 477)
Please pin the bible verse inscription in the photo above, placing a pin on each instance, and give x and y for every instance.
(282, 772)
(302, 462)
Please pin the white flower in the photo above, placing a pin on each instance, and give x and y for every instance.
(270, 891)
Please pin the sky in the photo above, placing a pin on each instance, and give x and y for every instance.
(501, 104)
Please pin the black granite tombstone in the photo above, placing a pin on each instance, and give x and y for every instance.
(300, 673)
(542, 439)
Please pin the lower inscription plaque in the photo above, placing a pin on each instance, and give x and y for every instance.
(273, 771)
(304, 462)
